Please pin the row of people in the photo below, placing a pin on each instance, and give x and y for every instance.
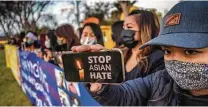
(169, 69)
(137, 28)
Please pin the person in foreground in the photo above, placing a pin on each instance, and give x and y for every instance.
(184, 40)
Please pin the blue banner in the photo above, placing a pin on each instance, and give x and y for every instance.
(45, 85)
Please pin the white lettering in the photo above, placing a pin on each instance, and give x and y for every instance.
(95, 58)
(100, 67)
(92, 75)
(109, 75)
(101, 59)
(90, 60)
(91, 68)
(98, 75)
(108, 58)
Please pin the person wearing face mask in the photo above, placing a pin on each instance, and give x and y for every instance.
(31, 43)
(184, 81)
(47, 42)
(138, 28)
(91, 34)
(66, 38)
(47, 52)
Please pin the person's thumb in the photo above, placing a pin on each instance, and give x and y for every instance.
(95, 87)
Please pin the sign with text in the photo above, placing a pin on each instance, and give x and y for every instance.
(104, 66)
(45, 85)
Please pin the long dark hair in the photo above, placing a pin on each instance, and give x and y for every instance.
(97, 31)
(117, 27)
(53, 39)
(67, 32)
(149, 28)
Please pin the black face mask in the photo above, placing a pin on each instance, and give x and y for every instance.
(127, 38)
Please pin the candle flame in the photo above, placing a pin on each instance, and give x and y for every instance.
(79, 65)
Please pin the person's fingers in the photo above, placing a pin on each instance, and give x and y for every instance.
(96, 48)
(74, 48)
(95, 87)
(83, 48)
(61, 66)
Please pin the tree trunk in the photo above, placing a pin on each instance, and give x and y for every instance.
(2, 25)
(77, 12)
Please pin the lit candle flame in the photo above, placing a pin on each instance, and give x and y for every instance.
(78, 64)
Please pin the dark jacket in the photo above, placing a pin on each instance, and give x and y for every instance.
(156, 89)
(155, 63)
(61, 47)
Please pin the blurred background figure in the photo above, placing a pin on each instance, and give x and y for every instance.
(79, 32)
(47, 42)
(50, 44)
(66, 38)
(21, 42)
(32, 43)
(41, 37)
(12, 41)
(91, 34)
(53, 39)
(116, 28)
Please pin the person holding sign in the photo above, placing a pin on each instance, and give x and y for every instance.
(91, 34)
(66, 37)
(184, 81)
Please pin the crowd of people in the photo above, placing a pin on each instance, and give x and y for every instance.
(169, 69)
(44, 45)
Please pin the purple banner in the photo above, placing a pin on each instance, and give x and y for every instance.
(45, 85)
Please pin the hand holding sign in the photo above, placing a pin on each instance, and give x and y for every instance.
(88, 48)
(91, 64)
(93, 48)
(95, 87)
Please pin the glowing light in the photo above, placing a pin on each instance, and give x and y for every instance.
(78, 64)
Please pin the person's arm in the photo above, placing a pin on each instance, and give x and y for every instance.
(131, 93)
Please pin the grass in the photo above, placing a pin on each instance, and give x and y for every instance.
(11, 93)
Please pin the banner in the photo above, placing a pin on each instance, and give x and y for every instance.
(45, 85)
(12, 60)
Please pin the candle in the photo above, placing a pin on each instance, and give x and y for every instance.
(81, 74)
(81, 71)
